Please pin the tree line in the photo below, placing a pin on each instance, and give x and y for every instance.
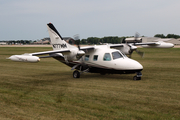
(96, 40)
(10, 42)
(167, 36)
(116, 40)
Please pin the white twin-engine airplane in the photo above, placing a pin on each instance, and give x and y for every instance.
(94, 59)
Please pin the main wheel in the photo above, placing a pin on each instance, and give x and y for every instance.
(76, 74)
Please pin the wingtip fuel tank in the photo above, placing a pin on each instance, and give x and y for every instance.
(24, 58)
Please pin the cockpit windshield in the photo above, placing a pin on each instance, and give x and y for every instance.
(123, 54)
(116, 55)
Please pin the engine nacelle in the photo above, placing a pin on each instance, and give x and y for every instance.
(74, 55)
(127, 49)
(80, 54)
(159, 44)
(24, 58)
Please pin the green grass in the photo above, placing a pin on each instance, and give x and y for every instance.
(47, 90)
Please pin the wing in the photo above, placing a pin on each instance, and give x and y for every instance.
(149, 43)
(159, 44)
(50, 52)
(116, 45)
(93, 47)
(32, 57)
(87, 48)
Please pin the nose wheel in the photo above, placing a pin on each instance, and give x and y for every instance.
(138, 76)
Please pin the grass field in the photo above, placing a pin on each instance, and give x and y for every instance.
(47, 90)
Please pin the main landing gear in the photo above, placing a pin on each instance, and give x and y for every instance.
(138, 76)
(76, 74)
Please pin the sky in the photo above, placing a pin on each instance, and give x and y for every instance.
(27, 19)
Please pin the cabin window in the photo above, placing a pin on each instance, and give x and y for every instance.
(107, 57)
(116, 55)
(86, 58)
(95, 58)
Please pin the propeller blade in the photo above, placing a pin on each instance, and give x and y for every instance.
(137, 35)
(77, 40)
(130, 55)
(140, 53)
(76, 37)
(133, 47)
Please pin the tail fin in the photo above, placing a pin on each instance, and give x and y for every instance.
(57, 41)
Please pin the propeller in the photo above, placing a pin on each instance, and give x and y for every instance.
(140, 53)
(80, 53)
(134, 48)
(77, 40)
(137, 35)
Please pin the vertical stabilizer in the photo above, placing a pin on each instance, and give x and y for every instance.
(57, 41)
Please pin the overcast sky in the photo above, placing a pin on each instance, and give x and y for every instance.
(27, 19)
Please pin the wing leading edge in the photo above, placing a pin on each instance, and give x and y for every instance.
(50, 52)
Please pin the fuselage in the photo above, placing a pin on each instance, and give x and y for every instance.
(105, 60)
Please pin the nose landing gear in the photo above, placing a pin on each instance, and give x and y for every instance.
(138, 76)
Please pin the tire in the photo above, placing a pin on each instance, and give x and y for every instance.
(103, 73)
(136, 78)
(76, 74)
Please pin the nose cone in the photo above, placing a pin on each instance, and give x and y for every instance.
(129, 64)
(132, 64)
